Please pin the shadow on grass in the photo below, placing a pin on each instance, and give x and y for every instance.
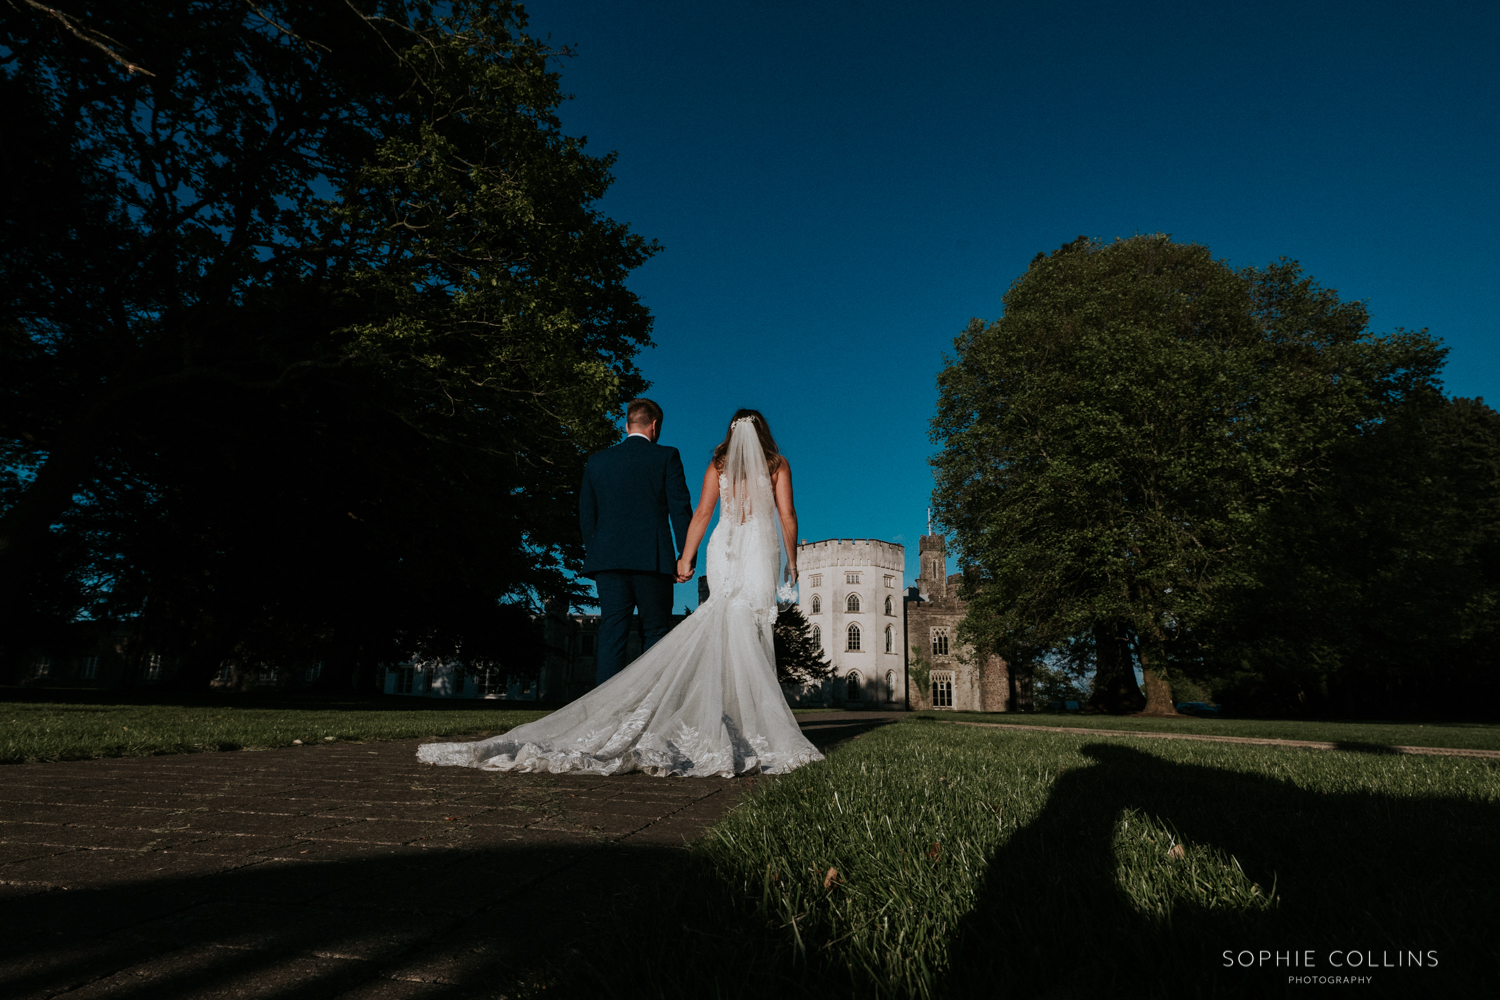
(1360, 879)
(1056, 917)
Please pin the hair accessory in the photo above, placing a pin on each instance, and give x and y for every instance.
(743, 420)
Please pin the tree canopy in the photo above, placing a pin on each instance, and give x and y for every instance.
(309, 318)
(1115, 446)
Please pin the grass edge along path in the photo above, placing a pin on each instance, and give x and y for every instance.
(1242, 740)
(34, 732)
(1369, 734)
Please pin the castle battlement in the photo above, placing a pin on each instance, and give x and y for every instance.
(870, 552)
(932, 543)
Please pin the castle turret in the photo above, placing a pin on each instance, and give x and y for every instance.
(932, 583)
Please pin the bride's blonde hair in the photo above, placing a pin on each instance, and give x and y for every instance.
(762, 431)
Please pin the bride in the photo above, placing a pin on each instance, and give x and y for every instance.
(704, 700)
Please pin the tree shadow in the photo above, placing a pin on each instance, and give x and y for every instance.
(467, 923)
(1059, 915)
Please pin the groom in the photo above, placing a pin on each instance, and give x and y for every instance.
(628, 493)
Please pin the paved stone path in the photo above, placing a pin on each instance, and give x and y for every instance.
(1246, 740)
(346, 870)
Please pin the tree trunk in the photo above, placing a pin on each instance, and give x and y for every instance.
(1158, 690)
(1115, 689)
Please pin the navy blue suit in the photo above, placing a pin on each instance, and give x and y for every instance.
(629, 494)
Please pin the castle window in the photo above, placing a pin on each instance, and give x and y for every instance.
(226, 672)
(817, 605)
(153, 667)
(853, 634)
(890, 685)
(314, 672)
(890, 638)
(405, 674)
(489, 683)
(940, 642)
(817, 580)
(851, 577)
(852, 604)
(89, 670)
(890, 606)
(942, 689)
(851, 692)
(817, 635)
(42, 666)
(890, 581)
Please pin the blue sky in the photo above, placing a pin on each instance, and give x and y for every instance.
(839, 187)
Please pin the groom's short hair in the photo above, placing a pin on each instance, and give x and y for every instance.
(642, 412)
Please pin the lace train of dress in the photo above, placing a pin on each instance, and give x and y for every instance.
(703, 701)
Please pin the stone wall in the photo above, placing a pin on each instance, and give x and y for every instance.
(959, 678)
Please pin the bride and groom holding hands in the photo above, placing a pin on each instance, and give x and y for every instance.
(702, 699)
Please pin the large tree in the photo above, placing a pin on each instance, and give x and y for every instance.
(1378, 594)
(309, 319)
(1110, 444)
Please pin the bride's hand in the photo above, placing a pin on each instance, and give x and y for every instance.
(684, 569)
(791, 573)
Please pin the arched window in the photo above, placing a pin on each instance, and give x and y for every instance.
(853, 637)
(852, 693)
(852, 604)
(890, 606)
(890, 638)
(942, 689)
(817, 637)
(817, 605)
(890, 685)
(939, 642)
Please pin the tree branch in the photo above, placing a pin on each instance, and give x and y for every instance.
(87, 35)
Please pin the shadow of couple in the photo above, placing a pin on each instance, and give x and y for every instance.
(1392, 891)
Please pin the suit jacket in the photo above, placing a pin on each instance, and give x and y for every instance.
(629, 493)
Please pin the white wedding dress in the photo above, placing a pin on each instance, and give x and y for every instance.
(704, 700)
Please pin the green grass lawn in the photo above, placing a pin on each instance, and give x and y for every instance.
(976, 862)
(81, 728)
(1459, 735)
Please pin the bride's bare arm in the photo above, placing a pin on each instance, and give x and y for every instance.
(708, 499)
(782, 481)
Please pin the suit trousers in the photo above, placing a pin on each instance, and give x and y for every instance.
(621, 591)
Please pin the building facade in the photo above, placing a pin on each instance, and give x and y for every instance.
(569, 663)
(942, 674)
(850, 594)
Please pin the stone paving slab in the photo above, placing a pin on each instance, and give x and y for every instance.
(331, 870)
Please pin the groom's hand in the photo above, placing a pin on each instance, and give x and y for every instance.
(684, 570)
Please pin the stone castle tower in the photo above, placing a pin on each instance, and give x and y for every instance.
(944, 675)
(850, 593)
